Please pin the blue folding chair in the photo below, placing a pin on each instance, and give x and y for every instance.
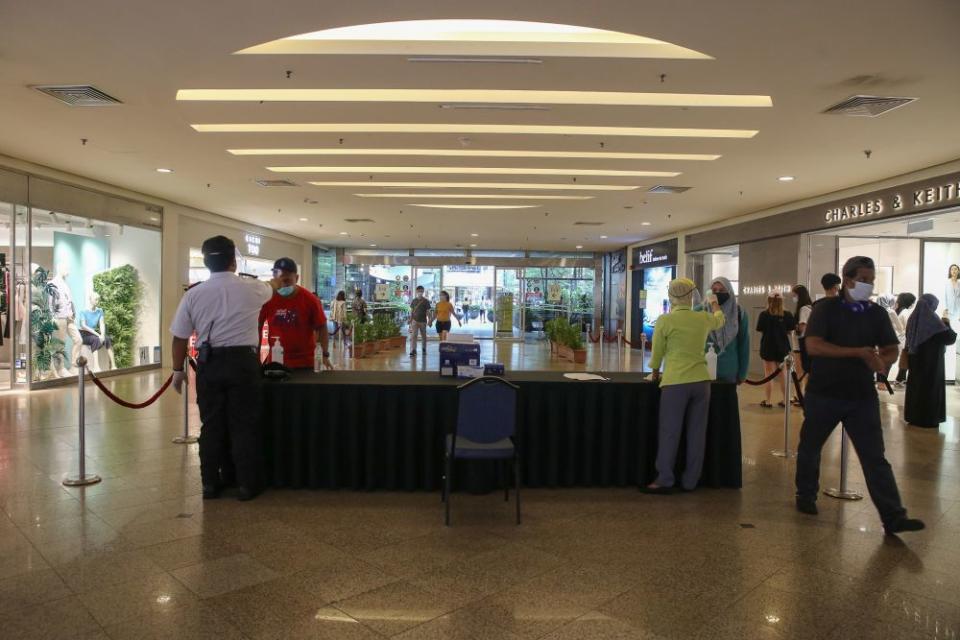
(486, 429)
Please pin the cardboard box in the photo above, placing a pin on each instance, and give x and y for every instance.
(457, 354)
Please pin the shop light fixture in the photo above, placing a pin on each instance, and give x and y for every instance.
(645, 224)
(469, 196)
(490, 171)
(164, 170)
(344, 233)
(492, 129)
(528, 186)
(303, 219)
(373, 245)
(478, 96)
(475, 153)
(477, 206)
(579, 246)
(786, 178)
(474, 235)
(603, 237)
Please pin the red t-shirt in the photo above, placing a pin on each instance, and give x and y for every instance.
(294, 319)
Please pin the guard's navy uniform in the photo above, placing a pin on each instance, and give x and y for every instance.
(224, 311)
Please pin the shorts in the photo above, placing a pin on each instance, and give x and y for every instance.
(94, 342)
(443, 326)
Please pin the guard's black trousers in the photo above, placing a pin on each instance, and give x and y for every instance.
(228, 395)
(861, 419)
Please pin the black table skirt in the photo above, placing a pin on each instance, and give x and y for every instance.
(385, 430)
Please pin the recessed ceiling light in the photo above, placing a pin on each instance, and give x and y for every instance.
(303, 219)
(153, 219)
(493, 171)
(579, 246)
(473, 245)
(474, 235)
(373, 245)
(344, 233)
(164, 170)
(645, 224)
(603, 237)
(473, 153)
(490, 37)
(468, 196)
(529, 186)
(477, 206)
(477, 96)
(786, 178)
(504, 129)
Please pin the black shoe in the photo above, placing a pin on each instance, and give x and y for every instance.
(413, 354)
(903, 524)
(808, 506)
(211, 491)
(657, 491)
(244, 494)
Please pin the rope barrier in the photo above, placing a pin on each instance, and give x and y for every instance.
(131, 405)
(796, 386)
(757, 383)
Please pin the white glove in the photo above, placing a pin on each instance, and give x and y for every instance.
(178, 379)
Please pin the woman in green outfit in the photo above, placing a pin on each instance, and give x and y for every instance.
(732, 340)
(678, 344)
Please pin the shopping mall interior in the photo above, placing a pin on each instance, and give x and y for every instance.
(573, 179)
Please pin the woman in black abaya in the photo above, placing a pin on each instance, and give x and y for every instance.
(926, 342)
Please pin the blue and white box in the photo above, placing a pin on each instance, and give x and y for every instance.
(458, 354)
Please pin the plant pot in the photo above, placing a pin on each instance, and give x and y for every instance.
(553, 348)
(383, 345)
(370, 348)
(397, 342)
(402, 342)
(357, 350)
(578, 356)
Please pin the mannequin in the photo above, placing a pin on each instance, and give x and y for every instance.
(951, 298)
(64, 314)
(93, 331)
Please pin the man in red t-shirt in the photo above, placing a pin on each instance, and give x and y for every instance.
(296, 316)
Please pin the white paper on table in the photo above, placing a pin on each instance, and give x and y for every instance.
(584, 376)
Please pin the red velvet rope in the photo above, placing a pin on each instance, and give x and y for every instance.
(132, 405)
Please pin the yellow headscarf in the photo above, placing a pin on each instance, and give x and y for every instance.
(681, 292)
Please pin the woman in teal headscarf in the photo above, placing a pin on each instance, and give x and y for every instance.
(732, 340)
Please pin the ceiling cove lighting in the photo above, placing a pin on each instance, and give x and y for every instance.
(786, 178)
(477, 206)
(475, 37)
(483, 185)
(468, 196)
(505, 129)
(478, 96)
(491, 171)
(474, 153)
(164, 170)
(474, 59)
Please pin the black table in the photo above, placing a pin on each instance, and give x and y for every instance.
(385, 430)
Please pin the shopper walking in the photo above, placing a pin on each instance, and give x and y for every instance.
(295, 317)
(850, 339)
(444, 311)
(927, 339)
(338, 313)
(465, 307)
(359, 307)
(905, 302)
(804, 306)
(223, 311)
(774, 325)
(732, 340)
(831, 285)
(419, 312)
(678, 341)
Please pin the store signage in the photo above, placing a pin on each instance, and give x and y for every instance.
(921, 198)
(654, 255)
(253, 244)
(764, 289)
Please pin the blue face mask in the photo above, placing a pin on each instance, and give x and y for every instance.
(286, 291)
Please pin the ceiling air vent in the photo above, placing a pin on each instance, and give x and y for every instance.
(357, 220)
(78, 95)
(665, 188)
(587, 224)
(867, 106)
(275, 183)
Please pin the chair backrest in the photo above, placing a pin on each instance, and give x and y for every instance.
(487, 410)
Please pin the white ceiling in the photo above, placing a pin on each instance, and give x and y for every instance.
(806, 56)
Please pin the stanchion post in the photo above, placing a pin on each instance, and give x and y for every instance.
(601, 347)
(82, 479)
(619, 349)
(842, 493)
(186, 438)
(643, 352)
(787, 377)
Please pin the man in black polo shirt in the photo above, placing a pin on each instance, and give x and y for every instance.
(850, 339)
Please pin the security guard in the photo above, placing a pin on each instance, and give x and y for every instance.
(223, 311)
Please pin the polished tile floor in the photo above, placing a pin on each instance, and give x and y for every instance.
(140, 555)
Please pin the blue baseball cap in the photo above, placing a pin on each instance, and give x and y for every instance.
(285, 264)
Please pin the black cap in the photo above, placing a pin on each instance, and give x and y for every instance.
(285, 264)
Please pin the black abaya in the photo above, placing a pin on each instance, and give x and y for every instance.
(926, 401)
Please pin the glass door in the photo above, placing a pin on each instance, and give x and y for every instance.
(471, 289)
(507, 305)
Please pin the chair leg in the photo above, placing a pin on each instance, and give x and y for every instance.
(516, 476)
(446, 491)
(504, 480)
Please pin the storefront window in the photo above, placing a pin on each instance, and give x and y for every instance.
(324, 274)
(94, 291)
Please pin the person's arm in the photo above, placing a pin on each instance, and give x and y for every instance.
(322, 334)
(657, 352)
(743, 348)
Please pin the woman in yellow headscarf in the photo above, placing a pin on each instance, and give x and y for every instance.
(678, 344)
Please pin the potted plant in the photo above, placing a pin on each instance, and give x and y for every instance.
(568, 341)
(361, 340)
(550, 330)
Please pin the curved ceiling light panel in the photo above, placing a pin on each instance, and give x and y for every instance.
(493, 171)
(468, 196)
(477, 206)
(529, 186)
(476, 38)
(478, 96)
(474, 153)
(506, 129)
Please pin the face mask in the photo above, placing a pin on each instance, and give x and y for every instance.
(861, 291)
(723, 297)
(286, 291)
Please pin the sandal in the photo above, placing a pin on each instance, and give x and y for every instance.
(781, 405)
(765, 404)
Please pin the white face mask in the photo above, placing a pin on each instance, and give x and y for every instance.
(861, 291)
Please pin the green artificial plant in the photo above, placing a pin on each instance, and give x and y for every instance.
(120, 291)
(47, 349)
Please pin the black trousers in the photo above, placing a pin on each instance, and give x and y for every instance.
(229, 398)
(861, 419)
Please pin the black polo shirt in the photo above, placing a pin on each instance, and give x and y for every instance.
(838, 324)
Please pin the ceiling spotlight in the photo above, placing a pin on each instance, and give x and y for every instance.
(645, 224)
(579, 246)
(786, 178)
(164, 170)
(473, 244)
(603, 237)
(303, 219)
(474, 235)
(373, 245)
(154, 219)
(344, 233)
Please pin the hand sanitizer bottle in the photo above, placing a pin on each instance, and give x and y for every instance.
(711, 358)
(276, 353)
(318, 359)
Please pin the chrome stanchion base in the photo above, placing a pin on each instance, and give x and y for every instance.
(81, 481)
(839, 494)
(780, 453)
(185, 439)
